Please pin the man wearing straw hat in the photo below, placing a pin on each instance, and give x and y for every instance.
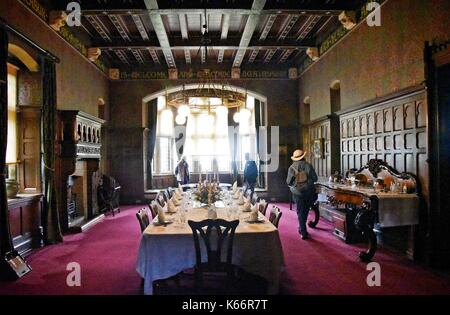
(300, 179)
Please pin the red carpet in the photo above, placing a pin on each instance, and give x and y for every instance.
(321, 265)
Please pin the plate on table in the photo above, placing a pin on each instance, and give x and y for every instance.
(167, 222)
(255, 221)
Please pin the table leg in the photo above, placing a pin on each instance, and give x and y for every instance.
(364, 221)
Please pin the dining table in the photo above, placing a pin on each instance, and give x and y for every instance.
(167, 249)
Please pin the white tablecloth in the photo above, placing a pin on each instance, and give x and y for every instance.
(167, 250)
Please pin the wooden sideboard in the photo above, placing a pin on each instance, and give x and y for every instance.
(25, 222)
(373, 209)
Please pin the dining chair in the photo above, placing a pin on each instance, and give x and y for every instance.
(153, 209)
(165, 195)
(160, 199)
(262, 207)
(169, 192)
(275, 215)
(254, 198)
(248, 193)
(142, 216)
(214, 232)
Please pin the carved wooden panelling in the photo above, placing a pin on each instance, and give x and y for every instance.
(395, 131)
(29, 121)
(322, 130)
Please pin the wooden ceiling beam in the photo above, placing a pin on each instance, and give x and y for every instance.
(120, 26)
(196, 47)
(101, 29)
(265, 32)
(184, 36)
(321, 12)
(223, 35)
(307, 27)
(247, 34)
(140, 26)
(160, 31)
(288, 24)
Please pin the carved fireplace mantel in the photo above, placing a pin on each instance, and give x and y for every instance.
(79, 155)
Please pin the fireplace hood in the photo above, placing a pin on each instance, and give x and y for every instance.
(78, 151)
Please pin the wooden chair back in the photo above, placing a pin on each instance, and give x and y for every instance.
(160, 199)
(153, 209)
(254, 198)
(275, 215)
(225, 231)
(263, 207)
(142, 216)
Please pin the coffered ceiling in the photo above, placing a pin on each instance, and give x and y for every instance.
(168, 34)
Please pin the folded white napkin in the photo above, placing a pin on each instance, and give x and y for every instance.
(241, 200)
(248, 199)
(175, 201)
(254, 213)
(171, 206)
(236, 195)
(247, 207)
(161, 216)
(180, 187)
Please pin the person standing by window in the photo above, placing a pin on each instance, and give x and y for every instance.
(300, 179)
(182, 171)
(250, 174)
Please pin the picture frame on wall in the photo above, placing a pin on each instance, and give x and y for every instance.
(318, 148)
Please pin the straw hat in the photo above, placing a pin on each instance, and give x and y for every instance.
(298, 155)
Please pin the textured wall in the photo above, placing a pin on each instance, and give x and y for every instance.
(374, 61)
(126, 148)
(79, 83)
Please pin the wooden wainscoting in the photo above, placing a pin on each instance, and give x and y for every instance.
(25, 221)
(393, 130)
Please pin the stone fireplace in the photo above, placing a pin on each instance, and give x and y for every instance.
(82, 188)
(78, 163)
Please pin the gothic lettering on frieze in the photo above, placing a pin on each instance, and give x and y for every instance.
(212, 74)
(37, 8)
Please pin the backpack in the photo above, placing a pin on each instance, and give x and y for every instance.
(301, 180)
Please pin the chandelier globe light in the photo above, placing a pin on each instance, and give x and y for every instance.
(244, 114)
(236, 117)
(180, 119)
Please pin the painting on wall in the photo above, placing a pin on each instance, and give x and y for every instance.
(318, 148)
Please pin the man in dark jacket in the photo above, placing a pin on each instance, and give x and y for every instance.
(250, 174)
(300, 179)
(182, 171)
